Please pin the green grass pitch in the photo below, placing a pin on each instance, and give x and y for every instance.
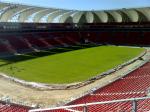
(67, 67)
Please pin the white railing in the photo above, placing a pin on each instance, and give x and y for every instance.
(85, 106)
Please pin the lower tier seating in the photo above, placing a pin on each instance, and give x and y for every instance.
(31, 41)
(6, 107)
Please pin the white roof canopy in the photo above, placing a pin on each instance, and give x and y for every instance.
(23, 12)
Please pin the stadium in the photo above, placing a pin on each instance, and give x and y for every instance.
(61, 60)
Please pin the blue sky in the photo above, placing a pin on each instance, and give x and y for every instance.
(86, 4)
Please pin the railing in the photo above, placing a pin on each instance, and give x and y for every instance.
(134, 105)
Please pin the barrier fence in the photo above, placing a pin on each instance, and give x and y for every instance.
(141, 104)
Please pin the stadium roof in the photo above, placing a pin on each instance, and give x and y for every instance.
(23, 13)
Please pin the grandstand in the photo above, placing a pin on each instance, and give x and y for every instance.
(28, 29)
